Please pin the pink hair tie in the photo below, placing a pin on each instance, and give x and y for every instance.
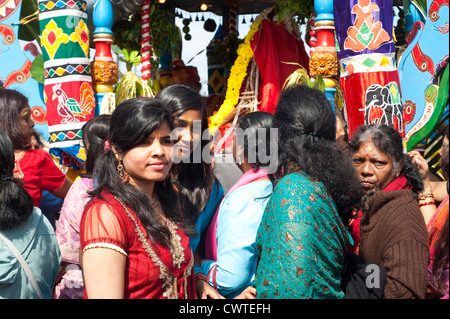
(107, 145)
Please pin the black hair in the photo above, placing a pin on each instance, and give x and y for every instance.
(39, 141)
(195, 179)
(132, 122)
(16, 203)
(255, 128)
(389, 142)
(11, 105)
(307, 130)
(95, 133)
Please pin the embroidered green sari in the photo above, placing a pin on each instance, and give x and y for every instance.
(301, 243)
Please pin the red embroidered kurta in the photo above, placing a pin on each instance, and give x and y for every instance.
(144, 274)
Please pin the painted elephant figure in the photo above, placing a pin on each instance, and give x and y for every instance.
(383, 106)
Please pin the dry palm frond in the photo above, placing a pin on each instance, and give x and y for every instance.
(301, 76)
(298, 76)
(132, 86)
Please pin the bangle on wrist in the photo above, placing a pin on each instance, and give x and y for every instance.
(425, 194)
(200, 276)
(427, 204)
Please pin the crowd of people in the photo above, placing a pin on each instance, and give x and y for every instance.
(148, 218)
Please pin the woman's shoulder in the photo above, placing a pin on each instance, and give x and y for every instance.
(108, 209)
(401, 200)
(298, 177)
(83, 183)
(395, 211)
(105, 198)
(251, 190)
(299, 181)
(36, 154)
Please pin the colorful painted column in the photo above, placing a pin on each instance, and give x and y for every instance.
(68, 84)
(369, 77)
(105, 71)
(323, 59)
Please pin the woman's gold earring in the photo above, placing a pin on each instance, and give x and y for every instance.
(124, 177)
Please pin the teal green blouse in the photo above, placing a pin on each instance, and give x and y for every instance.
(301, 243)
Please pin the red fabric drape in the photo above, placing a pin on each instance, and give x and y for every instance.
(272, 45)
(359, 111)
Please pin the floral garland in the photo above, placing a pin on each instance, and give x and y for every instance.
(237, 75)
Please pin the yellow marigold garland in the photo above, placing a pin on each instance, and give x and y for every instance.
(237, 75)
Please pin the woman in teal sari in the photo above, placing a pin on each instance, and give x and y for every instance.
(303, 234)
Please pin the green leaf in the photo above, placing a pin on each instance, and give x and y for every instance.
(139, 89)
(420, 4)
(126, 55)
(37, 69)
(133, 55)
(319, 83)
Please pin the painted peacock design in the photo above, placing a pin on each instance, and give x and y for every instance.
(69, 108)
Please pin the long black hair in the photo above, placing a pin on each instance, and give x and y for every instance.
(95, 133)
(132, 122)
(16, 203)
(307, 130)
(195, 178)
(11, 105)
(389, 142)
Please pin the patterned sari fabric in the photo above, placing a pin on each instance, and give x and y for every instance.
(301, 243)
(435, 228)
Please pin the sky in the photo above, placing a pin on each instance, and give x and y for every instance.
(201, 39)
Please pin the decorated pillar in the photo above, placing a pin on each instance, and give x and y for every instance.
(68, 84)
(369, 77)
(233, 16)
(323, 59)
(105, 71)
(146, 41)
(217, 71)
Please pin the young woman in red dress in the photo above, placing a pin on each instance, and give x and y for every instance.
(34, 167)
(132, 239)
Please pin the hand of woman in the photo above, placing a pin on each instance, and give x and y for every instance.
(249, 293)
(205, 291)
(420, 163)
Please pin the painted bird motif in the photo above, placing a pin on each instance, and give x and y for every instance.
(422, 61)
(19, 76)
(39, 115)
(433, 11)
(69, 108)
